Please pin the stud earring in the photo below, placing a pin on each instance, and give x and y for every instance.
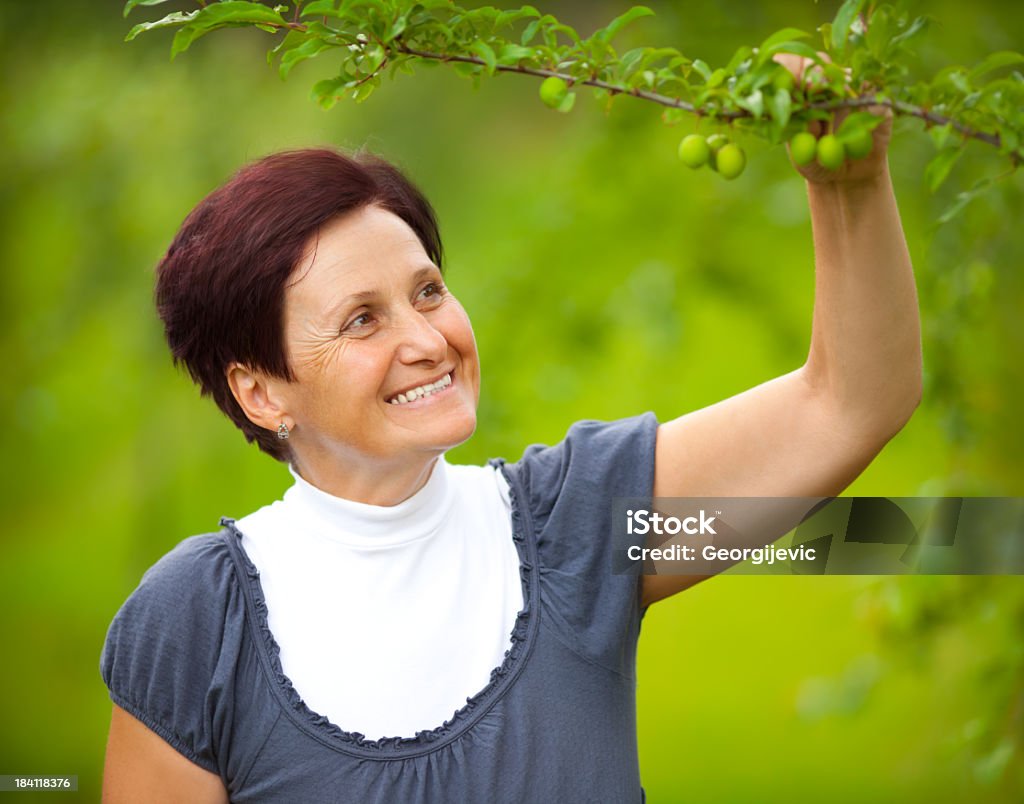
(282, 431)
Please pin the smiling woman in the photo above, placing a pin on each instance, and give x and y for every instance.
(399, 629)
(374, 635)
(361, 362)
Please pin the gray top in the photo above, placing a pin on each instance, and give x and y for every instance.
(191, 656)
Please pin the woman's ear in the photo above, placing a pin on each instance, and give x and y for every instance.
(258, 396)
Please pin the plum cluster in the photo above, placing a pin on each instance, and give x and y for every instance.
(830, 150)
(728, 158)
(715, 151)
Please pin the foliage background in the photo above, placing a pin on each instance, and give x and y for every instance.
(603, 280)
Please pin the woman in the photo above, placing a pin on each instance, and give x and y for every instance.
(400, 629)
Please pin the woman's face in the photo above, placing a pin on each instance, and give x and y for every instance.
(367, 317)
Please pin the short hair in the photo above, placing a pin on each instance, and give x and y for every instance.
(220, 287)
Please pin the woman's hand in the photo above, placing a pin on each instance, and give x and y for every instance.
(853, 171)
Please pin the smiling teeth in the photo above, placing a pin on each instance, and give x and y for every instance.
(423, 390)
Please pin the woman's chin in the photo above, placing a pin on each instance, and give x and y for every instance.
(460, 432)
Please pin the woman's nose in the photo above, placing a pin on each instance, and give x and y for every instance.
(420, 340)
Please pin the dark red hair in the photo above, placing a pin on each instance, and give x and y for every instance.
(220, 287)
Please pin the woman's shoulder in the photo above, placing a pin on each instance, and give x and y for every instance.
(198, 566)
(188, 597)
(188, 592)
(594, 456)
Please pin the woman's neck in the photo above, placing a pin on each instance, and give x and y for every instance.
(373, 483)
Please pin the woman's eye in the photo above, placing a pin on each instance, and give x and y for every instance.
(360, 320)
(432, 290)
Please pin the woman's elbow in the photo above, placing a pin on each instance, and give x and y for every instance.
(892, 415)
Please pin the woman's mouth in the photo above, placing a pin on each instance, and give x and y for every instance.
(425, 391)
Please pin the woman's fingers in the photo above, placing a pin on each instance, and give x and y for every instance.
(806, 73)
(792, 62)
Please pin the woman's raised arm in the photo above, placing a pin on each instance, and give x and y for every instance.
(141, 766)
(811, 432)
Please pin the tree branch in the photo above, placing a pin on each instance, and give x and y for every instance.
(898, 107)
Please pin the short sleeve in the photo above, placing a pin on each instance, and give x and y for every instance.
(570, 488)
(167, 656)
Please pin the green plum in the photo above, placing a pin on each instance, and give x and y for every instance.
(803, 148)
(694, 151)
(730, 160)
(831, 153)
(716, 142)
(553, 91)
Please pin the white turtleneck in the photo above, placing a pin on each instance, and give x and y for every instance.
(389, 617)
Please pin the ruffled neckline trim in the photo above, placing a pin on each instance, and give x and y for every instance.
(352, 742)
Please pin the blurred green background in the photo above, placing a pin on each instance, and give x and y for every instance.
(603, 280)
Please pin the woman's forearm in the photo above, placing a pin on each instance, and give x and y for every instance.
(865, 352)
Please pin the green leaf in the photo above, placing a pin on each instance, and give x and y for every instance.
(741, 55)
(225, 13)
(753, 103)
(1002, 58)
(631, 58)
(856, 120)
(799, 48)
(916, 27)
(511, 53)
(702, 68)
(531, 29)
(364, 90)
(673, 117)
(326, 93)
(397, 27)
(568, 31)
(653, 54)
(133, 3)
(717, 78)
(605, 34)
(880, 32)
(238, 11)
(485, 52)
(938, 168)
(567, 103)
(940, 134)
(324, 8)
(175, 18)
(401, 64)
(780, 107)
(307, 50)
(781, 37)
(848, 11)
(292, 39)
(506, 18)
(1010, 141)
(963, 199)
(467, 69)
(185, 37)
